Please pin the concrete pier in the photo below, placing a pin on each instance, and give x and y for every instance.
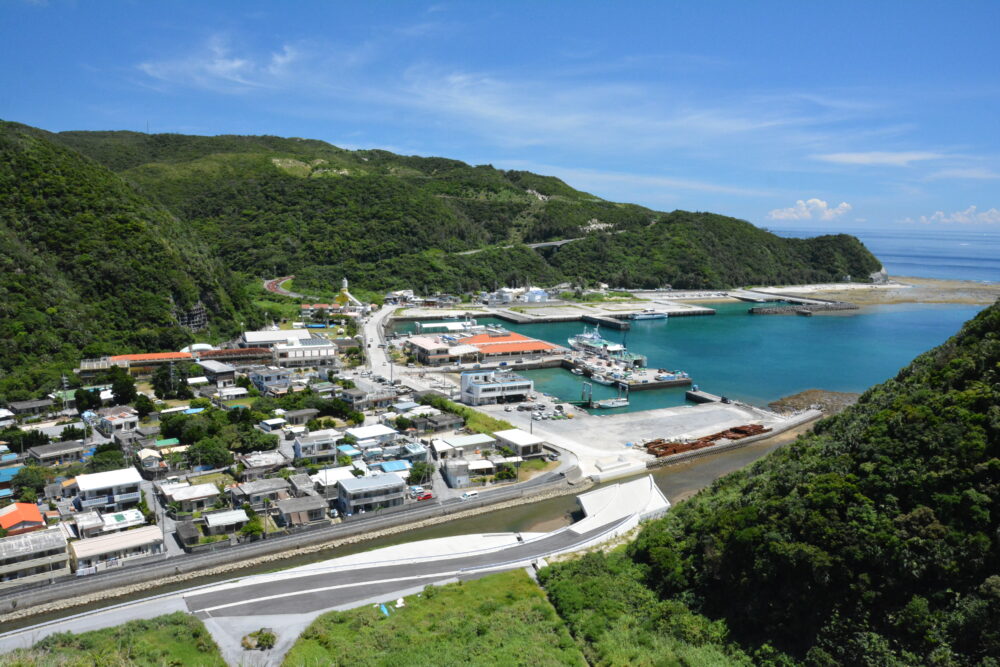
(698, 396)
(607, 321)
(802, 309)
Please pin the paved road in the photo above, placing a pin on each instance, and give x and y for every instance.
(543, 244)
(302, 594)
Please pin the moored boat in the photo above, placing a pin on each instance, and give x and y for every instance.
(647, 314)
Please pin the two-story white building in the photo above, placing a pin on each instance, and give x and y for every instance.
(318, 445)
(33, 557)
(110, 491)
(311, 352)
(494, 386)
(371, 493)
(118, 423)
(376, 435)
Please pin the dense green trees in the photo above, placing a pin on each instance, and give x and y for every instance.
(106, 457)
(209, 452)
(232, 429)
(110, 254)
(274, 206)
(29, 482)
(872, 541)
(123, 387)
(90, 266)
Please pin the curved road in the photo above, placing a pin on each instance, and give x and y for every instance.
(315, 592)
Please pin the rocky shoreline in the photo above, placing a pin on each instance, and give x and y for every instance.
(830, 402)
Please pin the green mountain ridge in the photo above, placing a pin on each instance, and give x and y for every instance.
(88, 266)
(873, 541)
(111, 240)
(292, 206)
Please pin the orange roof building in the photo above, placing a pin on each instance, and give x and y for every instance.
(21, 518)
(507, 343)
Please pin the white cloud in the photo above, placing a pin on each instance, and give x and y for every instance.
(217, 67)
(970, 215)
(810, 209)
(880, 158)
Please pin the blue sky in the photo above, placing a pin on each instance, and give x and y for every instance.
(826, 115)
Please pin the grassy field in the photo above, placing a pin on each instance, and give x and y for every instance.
(502, 619)
(213, 478)
(534, 467)
(175, 639)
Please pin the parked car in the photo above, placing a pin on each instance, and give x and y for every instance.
(426, 495)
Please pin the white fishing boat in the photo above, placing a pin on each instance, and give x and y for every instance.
(608, 403)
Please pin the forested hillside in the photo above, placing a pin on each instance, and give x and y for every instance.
(873, 541)
(274, 206)
(88, 265)
(111, 241)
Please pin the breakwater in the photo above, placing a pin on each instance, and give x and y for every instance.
(802, 309)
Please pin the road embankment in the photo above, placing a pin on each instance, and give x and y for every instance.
(71, 593)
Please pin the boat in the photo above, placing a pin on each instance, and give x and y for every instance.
(607, 403)
(591, 342)
(600, 379)
(647, 314)
(577, 371)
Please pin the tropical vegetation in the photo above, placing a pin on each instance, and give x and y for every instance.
(872, 541)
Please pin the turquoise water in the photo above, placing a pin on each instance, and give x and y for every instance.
(760, 358)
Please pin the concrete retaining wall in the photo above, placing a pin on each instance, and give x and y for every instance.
(69, 592)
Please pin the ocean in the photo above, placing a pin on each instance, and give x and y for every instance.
(925, 251)
(760, 358)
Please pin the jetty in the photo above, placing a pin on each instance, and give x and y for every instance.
(608, 321)
(699, 396)
(802, 309)
(796, 305)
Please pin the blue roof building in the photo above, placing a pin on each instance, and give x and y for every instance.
(395, 466)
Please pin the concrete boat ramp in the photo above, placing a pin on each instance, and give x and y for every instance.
(289, 600)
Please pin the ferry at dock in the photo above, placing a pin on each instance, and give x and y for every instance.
(591, 342)
(647, 314)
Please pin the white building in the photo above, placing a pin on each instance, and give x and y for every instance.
(311, 352)
(110, 491)
(487, 387)
(536, 295)
(33, 557)
(319, 445)
(373, 436)
(272, 338)
(118, 423)
(462, 446)
(524, 444)
(98, 553)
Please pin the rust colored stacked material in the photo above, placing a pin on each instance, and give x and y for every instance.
(660, 447)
